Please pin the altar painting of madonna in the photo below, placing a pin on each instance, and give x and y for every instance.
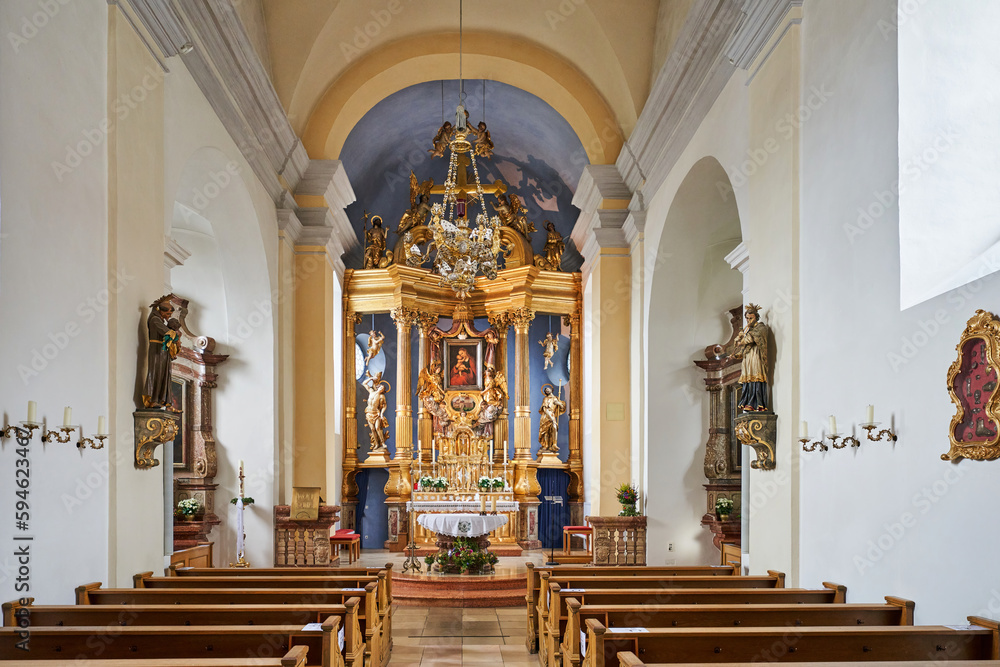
(463, 364)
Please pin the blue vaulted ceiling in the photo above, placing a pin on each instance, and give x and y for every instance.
(537, 154)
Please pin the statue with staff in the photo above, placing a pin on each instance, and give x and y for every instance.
(548, 428)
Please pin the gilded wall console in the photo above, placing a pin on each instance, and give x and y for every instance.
(759, 430)
(972, 384)
(152, 428)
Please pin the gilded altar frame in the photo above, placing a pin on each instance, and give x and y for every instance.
(416, 297)
(981, 339)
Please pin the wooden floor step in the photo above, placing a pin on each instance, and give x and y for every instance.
(456, 590)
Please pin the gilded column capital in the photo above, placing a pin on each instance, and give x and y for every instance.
(500, 321)
(353, 319)
(573, 321)
(425, 321)
(521, 317)
(404, 317)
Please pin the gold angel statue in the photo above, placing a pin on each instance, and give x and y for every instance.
(511, 212)
(441, 140)
(484, 142)
(551, 345)
(420, 205)
(375, 340)
(429, 383)
(494, 387)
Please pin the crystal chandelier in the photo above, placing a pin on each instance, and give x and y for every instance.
(461, 251)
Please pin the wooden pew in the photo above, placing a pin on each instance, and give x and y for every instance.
(142, 643)
(773, 580)
(375, 640)
(629, 659)
(896, 611)
(535, 582)
(296, 657)
(792, 644)
(197, 556)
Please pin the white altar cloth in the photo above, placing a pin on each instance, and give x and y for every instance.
(459, 506)
(462, 525)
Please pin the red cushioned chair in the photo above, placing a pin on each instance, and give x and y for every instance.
(586, 532)
(348, 538)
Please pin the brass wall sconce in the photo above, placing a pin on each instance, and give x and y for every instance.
(869, 425)
(878, 436)
(834, 438)
(25, 432)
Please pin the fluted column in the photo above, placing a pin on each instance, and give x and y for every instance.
(575, 407)
(425, 322)
(501, 429)
(521, 319)
(404, 319)
(348, 486)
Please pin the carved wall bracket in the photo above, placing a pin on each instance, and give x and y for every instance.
(152, 428)
(759, 430)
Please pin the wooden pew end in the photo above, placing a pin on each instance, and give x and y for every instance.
(628, 659)
(780, 576)
(991, 625)
(907, 605)
(137, 579)
(83, 592)
(296, 657)
(841, 595)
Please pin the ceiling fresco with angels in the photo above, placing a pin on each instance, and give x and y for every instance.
(536, 154)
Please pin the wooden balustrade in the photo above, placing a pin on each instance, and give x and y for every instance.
(619, 540)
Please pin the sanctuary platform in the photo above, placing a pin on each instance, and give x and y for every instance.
(505, 588)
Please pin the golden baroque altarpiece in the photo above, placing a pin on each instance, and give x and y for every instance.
(460, 419)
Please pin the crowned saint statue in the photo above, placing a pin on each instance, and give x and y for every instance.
(751, 347)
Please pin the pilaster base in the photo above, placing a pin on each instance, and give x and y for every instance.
(528, 525)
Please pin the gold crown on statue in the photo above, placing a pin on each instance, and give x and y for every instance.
(752, 308)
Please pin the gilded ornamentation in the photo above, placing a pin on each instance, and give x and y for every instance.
(426, 321)
(500, 321)
(378, 425)
(974, 431)
(420, 205)
(758, 431)
(152, 429)
(521, 317)
(374, 243)
(555, 246)
(512, 212)
(375, 340)
(494, 388)
(548, 428)
(551, 345)
(484, 142)
(429, 383)
(404, 317)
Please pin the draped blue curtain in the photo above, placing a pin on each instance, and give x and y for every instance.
(552, 517)
(371, 517)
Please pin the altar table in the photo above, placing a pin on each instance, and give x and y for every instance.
(462, 525)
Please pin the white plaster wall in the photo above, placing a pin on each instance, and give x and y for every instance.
(693, 287)
(886, 519)
(205, 170)
(53, 282)
(949, 233)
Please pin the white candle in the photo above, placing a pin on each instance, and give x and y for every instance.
(241, 465)
(67, 416)
(493, 504)
(871, 415)
(32, 410)
(101, 426)
(804, 429)
(506, 452)
(491, 453)
(833, 425)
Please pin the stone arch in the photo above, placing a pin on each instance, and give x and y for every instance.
(692, 288)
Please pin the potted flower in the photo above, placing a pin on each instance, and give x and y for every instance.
(439, 483)
(498, 483)
(485, 483)
(723, 508)
(247, 500)
(628, 497)
(188, 508)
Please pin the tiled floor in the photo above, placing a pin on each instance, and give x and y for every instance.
(451, 636)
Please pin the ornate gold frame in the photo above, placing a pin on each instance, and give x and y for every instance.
(984, 326)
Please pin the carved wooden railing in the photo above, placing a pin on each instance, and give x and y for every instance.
(619, 540)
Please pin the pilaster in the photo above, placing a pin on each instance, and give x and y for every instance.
(425, 322)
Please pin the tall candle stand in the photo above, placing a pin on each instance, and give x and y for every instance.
(412, 562)
(241, 543)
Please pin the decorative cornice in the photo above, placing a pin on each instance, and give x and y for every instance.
(289, 226)
(599, 182)
(739, 258)
(691, 79)
(634, 227)
(760, 19)
(211, 41)
(173, 253)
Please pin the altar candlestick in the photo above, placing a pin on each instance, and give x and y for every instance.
(67, 416)
(32, 411)
(804, 429)
(833, 425)
(871, 415)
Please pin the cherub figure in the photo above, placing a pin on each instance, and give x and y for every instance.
(420, 205)
(551, 345)
(511, 212)
(484, 142)
(441, 140)
(375, 340)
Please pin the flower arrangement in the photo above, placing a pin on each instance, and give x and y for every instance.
(628, 497)
(246, 501)
(464, 556)
(723, 506)
(188, 507)
(488, 483)
(428, 483)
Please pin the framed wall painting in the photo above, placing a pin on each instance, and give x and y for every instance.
(179, 395)
(972, 384)
(463, 364)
